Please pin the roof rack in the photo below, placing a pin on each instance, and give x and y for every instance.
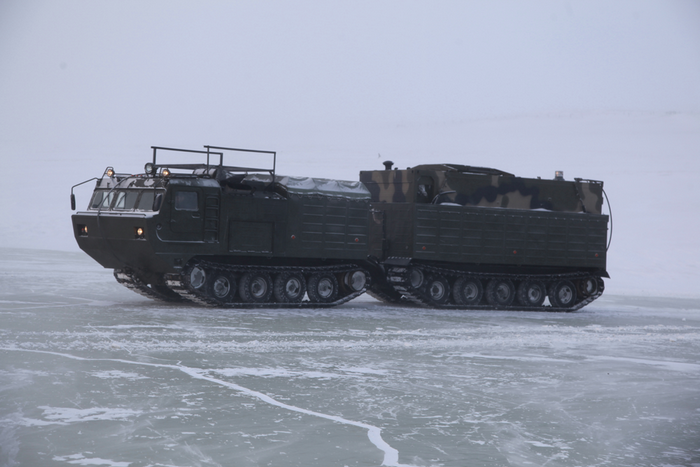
(210, 164)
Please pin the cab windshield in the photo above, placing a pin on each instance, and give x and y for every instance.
(124, 200)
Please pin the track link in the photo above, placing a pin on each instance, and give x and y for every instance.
(399, 278)
(132, 282)
(382, 296)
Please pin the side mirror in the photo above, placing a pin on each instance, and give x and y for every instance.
(157, 202)
(72, 202)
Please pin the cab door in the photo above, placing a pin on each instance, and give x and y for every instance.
(187, 214)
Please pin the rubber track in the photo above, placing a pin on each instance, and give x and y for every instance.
(132, 282)
(399, 277)
(176, 283)
(379, 294)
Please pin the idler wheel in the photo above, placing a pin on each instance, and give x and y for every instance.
(322, 287)
(438, 290)
(355, 280)
(531, 293)
(562, 294)
(416, 277)
(500, 292)
(467, 291)
(289, 287)
(195, 277)
(255, 287)
(588, 286)
(222, 287)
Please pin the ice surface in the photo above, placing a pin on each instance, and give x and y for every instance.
(93, 374)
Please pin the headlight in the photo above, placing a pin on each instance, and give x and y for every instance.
(139, 234)
(166, 172)
(82, 230)
(110, 172)
(150, 168)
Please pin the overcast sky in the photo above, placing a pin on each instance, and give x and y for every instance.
(255, 73)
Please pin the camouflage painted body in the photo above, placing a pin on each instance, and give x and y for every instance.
(445, 228)
(480, 216)
(476, 186)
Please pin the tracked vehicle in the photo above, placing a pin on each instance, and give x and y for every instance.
(224, 235)
(441, 235)
(450, 235)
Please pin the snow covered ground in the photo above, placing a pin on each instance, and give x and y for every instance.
(93, 374)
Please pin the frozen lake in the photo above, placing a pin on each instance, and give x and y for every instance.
(93, 374)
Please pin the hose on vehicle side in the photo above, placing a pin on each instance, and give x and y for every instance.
(611, 220)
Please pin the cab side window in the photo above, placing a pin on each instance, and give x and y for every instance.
(97, 200)
(186, 201)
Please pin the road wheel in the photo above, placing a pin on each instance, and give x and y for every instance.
(255, 287)
(322, 288)
(438, 290)
(289, 287)
(221, 287)
(562, 294)
(467, 291)
(531, 293)
(500, 292)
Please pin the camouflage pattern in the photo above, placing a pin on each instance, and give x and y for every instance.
(486, 220)
(476, 186)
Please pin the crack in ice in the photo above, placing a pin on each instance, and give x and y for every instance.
(391, 455)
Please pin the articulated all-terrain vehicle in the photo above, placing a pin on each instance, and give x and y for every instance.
(441, 235)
